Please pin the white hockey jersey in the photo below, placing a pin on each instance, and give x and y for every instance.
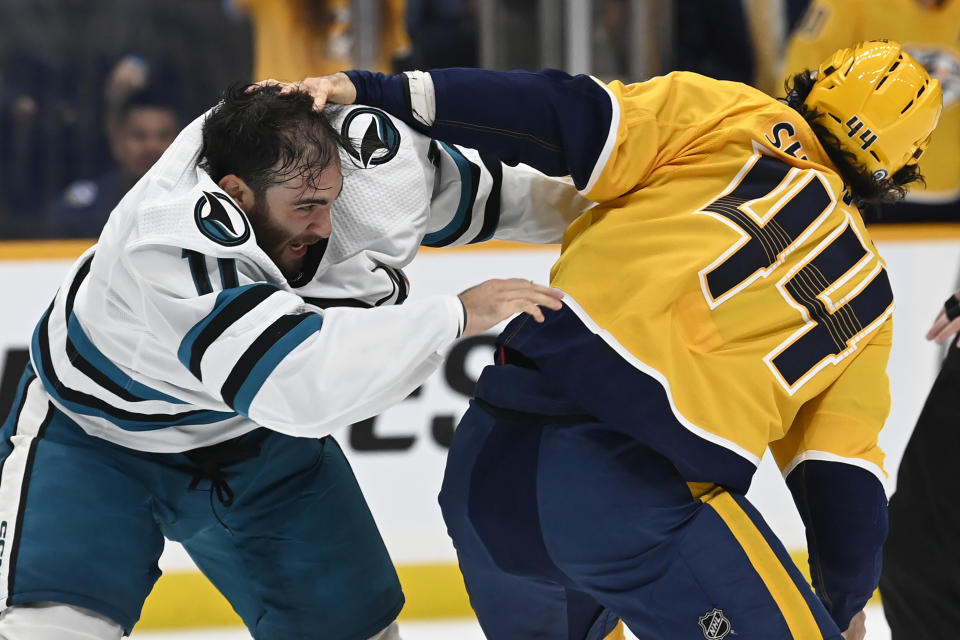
(176, 331)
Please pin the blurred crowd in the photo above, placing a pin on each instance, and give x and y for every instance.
(93, 91)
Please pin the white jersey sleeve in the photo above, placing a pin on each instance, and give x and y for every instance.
(403, 189)
(283, 363)
(478, 198)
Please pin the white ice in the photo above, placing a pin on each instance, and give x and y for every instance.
(451, 630)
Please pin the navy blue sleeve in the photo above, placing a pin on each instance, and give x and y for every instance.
(553, 121)
(389, 93)
(844, 509)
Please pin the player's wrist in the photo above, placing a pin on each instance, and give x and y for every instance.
(463, 317)
(384, 91)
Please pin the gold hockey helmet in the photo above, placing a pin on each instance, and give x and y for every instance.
(880, 103)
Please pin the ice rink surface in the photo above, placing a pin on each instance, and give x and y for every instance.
(458, 630)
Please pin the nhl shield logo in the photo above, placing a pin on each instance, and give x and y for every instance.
(370, 136)
(219, 219)
(715, 625)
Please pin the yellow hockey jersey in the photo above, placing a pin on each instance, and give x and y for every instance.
(724, 261)
(930, 34)
(722, 297)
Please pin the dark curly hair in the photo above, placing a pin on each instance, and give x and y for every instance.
(864, 188)
(265, 138)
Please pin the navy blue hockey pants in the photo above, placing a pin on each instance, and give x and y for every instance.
(562, 526)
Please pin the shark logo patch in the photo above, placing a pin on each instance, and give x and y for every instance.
(219, 219)
(371, 136)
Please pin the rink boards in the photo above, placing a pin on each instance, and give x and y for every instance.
(399, 456)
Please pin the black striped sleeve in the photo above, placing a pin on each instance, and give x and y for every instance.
(491, 212)
(231, 305)
(198, 269)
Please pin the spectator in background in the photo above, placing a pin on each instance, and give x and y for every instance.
(129, 75)
(740, 40)
(928, 29)
(139, 130)
(294, 39)
(136, 81)
(44, 134)
(54, 58)
(443, 33)
(713, 39)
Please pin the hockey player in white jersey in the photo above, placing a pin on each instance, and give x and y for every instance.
(241, 303)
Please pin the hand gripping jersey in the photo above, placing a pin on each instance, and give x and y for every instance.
(930, 34)
(176, 331)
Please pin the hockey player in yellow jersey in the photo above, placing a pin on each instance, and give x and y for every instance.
(930, 31)
(722, 297)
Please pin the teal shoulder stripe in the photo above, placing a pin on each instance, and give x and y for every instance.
(91, 405)
(230, 306)
(446, 235)
(274, 351)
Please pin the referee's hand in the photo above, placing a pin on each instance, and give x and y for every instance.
(947, 323)
(857, 629)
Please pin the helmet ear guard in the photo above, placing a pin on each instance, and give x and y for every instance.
(879, 102)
